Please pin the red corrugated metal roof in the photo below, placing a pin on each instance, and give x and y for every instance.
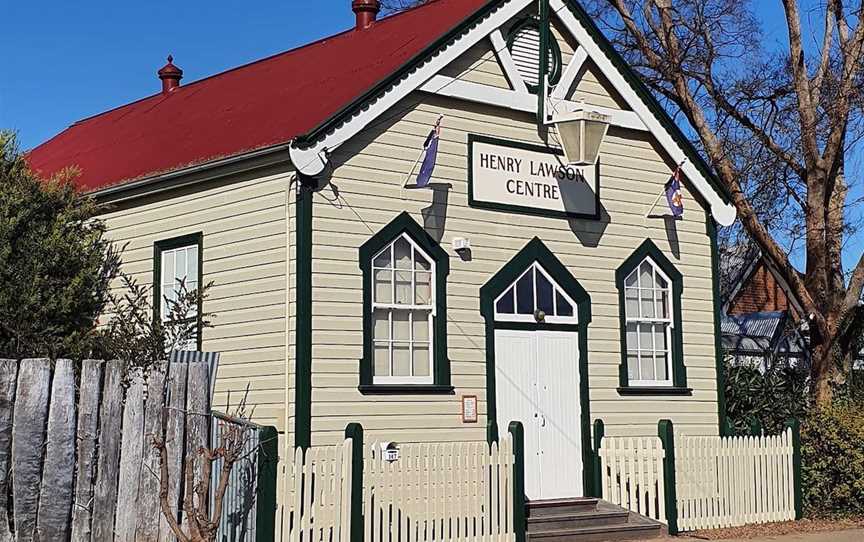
(258, 105)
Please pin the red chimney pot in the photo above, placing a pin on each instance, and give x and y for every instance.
(170, 76)
(366, 11)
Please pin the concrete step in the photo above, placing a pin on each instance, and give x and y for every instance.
(582, 519)
(556, 507)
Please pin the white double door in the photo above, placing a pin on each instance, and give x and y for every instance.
(537, 383)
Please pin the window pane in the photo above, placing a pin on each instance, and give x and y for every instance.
(631, 280)
(168, 269)
(401, 359)
(179, 266)
(423, 293)
(421, 360)
(563, 306)
(645, 342)
(647, 303)
(645, 275)
(525, 293)
(660, 337)
(420, 262)
(544, 294)
(404, 294)
(632, 366)
(631, 337)
(420, 326)
(192, 268)
(662, 372)
(382, 359)
(380, 324)
(383, 259)
(647, 365)
(402, 253)
(661, 282)
(383, 287)
(663, 304)
(505, 303)
(631, 302)
(401, 326)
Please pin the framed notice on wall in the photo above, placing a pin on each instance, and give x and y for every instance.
(519, 177)
(469, 409)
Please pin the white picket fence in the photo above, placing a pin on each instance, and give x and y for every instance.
(732, 481)
(631, 474)
(320, 495)
(453, 491)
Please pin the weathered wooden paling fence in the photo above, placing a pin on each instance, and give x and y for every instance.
(452, 491)
(703, 482)
(632, 475)
(82, 467)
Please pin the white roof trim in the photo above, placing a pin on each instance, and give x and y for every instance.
(311, 161)
(723, 212)
(569, 76)
(499, 47)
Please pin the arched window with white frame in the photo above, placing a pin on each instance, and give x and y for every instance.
(535, 297)
(403, 308)
(650, 289)
(404, 311)
(647, 307)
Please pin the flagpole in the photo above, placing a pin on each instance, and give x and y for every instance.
(663, 190)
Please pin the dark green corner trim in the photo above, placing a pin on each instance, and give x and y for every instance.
(268, 470)
(521, 209)
(529, 21)
(599, 433)
(403, 223)
(649, 249)
(720, 364)
(168, 244)
(666, 432)
(536, 251)
(303, 318)
(795, 425)
(354, 431)
(520, 526)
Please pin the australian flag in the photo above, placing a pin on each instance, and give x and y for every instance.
(431, 149)
(673, 194)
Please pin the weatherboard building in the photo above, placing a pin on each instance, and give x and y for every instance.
(431, 283)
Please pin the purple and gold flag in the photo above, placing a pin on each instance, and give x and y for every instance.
(431, 149)
(673, 194)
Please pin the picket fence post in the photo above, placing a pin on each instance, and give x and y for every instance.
(599, 433)
(666, 432)
(795, 426)
(518, 435)
(354, 431)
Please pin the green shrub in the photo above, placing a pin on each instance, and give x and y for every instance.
(769, 397)
(832, 457)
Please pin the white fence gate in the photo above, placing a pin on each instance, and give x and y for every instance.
(454, 491)
(732, 481)
(631, 475)
(321, 494)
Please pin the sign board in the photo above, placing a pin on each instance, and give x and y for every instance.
(531, 179)
(469, 409)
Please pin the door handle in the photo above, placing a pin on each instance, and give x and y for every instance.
(543, 420)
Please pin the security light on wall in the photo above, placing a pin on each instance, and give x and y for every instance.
(581, 132)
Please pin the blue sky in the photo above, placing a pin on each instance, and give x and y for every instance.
(72, 60)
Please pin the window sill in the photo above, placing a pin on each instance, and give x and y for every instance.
(405, 389)
(654, 390)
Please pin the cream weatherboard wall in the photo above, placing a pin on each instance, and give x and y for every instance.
(366, 193)
(244, 221)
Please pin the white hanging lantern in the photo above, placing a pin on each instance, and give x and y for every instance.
(581, 133)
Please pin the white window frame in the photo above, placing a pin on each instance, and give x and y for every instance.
(409, 308)
(174, 284)
(549, 319)
(669, 320)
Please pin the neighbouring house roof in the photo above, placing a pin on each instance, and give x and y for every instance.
(258, 105)
(761, 333)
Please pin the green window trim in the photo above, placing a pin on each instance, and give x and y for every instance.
(169, 244)
(404, 224)
(537, 251)
(679, 372)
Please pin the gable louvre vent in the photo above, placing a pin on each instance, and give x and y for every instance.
(524, 45)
